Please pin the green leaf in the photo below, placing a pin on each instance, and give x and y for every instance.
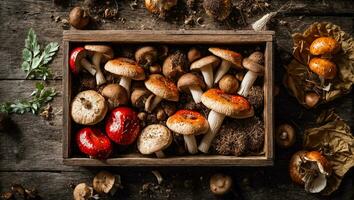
(49, 52)
(26, 55)
(25, 66)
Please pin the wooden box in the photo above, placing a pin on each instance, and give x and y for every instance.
(212, 38)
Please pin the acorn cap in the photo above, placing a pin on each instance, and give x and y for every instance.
(234, 106)
(208, 60)
(231, 56)
(154, 138)
(188, 122)
(323, 68)
(188, 80)
(162, 87)
(125, 67)
(107, 51)
(88, 108)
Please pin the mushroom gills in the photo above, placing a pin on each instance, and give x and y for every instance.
(191, 143)
(315, 184)
(156, 100)
(196, 93)
(88, 66)
(125, 82)
(207, 72)
(223, 69)
(96, 60)
(247, 83)
(215, 120)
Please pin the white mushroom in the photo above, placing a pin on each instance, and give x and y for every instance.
(193, 84)
(206, 65)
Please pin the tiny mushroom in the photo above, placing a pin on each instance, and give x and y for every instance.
(324, 68)
(146, 56)
(154, 139)
(188, 123)
(162, 88)
(229, 59)
(100, 53)
(218, 9)
(194, 84)
(115, 94)
(175, 65)
(193, 55)
(78, 18)
(221, 105)
(229, 84)
(285, 136)
(220, 184)
(206, 65)
(127, 69)
(83, 192)
(78, 60)
(88, 108)
(254, 64)
(311, 99)
(159, 7)
(139, 97)
(106, 183)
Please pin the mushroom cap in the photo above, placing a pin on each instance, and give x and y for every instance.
(202, 62)
(106, 51)
(285, 135)
(220, 184)
(231, 56)
(193, 54)
(78, 18)
(234, 106)
(323, 68)
(142, 52)
(82, 191)
(255, 62)
(116, 94)
(295, 167)
(188, 122)
(324, 45)
(162, 87)
(139, 96)
(229, 84)
(218, 9)
(323, 164)
(154, 138)
(188, 80)
(88, 108)
(104, 182)
(125, 67)
(75, 57)
(175, 65)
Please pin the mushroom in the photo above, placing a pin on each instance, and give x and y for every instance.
(83, 192)
(324, 68)
(78, 60)
(159, 7)
(221, 105)
(285, 136)
(193, 55)
(145, 56)
(191, 82)
(88, 108)
(139, 97)
(101, 53)
(162, 88)
(218, 9)
(188, 123)
(254, 64)
(115, 95)
(154, 139)
(324, 46)
(78, 18)
(206, 65)
(229, 59)
(220, 184)
(127, 69)
(107, 183)
(296, 174)
(312, 99)
(229, 84)
(175, 65)
(155, 69)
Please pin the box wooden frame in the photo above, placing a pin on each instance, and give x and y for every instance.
(173, 37)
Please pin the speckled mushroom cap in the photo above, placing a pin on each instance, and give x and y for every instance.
(231, 56)
(125, 67)
(234, 106)
(162, 87)
(188, 122)
(188, 80)
(106, 51)
(88, 108)
(154, 138)
(323, 67)
(202, 62)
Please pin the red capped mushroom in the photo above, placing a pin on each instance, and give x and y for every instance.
(78, 60)
(94, 143)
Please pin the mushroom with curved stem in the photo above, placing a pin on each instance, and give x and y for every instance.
(206, 65)
(127, 69)
(191, 82)
(100, 53)
(188, 123)
(285, 136)
(221, 105)
(83, 192)
(146, 56)
(220, 184)
(162, 88)
(78, 60)
(229, 59)
(115, 94)
(254, 64)
(154, 139)
(107, 183)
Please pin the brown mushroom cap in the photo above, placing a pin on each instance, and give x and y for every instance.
(234, 106)
(162, 87)
(115, 94)
(229, 84)
(202, 62)
(154, 138)
(188, 80)
(175, 65)
(104, 182)
(254, 62)
(193, 54)
(285, 135)
(295, 167)
(88, 108)
(139, 97)
(125, 67)
(78, 18)
(188, 122)
(82, 191)
(146, 55)
(220, 184)
(231, 56)
(324, 45)
(323, 68)
(106, 51)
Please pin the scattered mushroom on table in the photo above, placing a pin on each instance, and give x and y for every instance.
(106, 183)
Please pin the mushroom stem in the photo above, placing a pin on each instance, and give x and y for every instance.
(207, 72)
(196, 93)
(215, 120)
(247, 83)
(191, 143)
(125, 82)
(154, 103)
(88, 66)
(159, 154)
(223, 69)
(96, 60)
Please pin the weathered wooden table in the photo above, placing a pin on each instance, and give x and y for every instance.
(31, 152)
